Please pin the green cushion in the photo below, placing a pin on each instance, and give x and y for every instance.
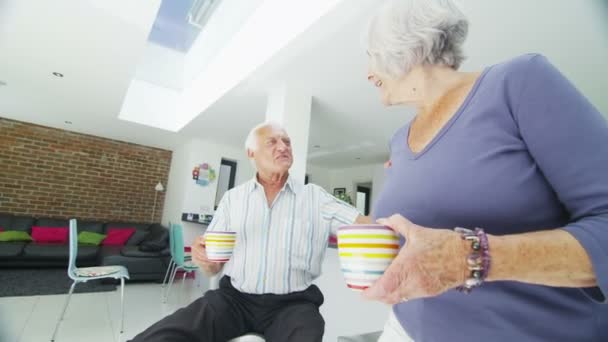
(15, 235)
(90, 238)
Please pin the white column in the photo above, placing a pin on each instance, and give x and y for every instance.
(290, 107)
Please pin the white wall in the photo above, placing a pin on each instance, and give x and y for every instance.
(349, 178)
(184, 195)
(319, 176)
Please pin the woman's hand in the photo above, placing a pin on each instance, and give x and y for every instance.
(199, 257)
(431, 262)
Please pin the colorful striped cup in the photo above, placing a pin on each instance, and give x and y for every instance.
(219, 245)
(365, 250)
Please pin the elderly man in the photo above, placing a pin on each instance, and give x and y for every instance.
(282, 230)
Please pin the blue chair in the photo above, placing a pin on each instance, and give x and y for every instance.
(84, 274)
(169, 271)
(171, 265)
(176, 242)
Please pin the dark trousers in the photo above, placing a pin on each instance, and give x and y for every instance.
(226, 313)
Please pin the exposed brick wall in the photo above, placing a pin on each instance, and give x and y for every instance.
(47, 172)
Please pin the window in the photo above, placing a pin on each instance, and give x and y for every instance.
(225, 180)
(363, 198)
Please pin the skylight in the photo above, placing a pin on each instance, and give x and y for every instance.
(179, 22)
(266, 27)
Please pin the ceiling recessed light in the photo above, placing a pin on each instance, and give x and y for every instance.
(58, 74)
(317, 146)
(2, 83)
(358, 158)
(68, 122)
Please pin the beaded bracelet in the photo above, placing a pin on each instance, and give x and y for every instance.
(478, 261)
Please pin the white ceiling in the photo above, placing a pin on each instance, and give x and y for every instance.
(96, 44)
(98, 52)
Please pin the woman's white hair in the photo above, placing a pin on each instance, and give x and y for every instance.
(252, 141)
(407, 33)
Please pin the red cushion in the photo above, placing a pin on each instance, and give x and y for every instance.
(50, 234)
(1, 229)
(118, 236)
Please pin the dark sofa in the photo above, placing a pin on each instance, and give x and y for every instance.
(146, 253)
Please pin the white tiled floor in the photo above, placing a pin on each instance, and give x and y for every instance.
(91, 317)
(95, 317)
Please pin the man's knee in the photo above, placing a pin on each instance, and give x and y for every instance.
(316, 328)
(206, 310)
(306, 320)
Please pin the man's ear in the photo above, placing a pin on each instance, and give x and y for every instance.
(250, 153)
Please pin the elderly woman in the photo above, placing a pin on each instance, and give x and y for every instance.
(516, 154)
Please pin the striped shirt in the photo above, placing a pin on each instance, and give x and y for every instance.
(279, 249)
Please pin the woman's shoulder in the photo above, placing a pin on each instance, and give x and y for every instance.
(522, 65)
(400, 135)
(511, 77)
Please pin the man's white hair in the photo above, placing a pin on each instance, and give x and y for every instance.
(252, 142)
(407, 33)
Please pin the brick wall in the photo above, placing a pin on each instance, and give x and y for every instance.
(47, 172)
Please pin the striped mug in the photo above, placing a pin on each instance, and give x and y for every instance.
(366, 251)
(219, 245)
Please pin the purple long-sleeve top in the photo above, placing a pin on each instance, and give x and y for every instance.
(526, 151)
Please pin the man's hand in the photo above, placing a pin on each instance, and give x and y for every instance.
(431, 262)
(199, 257)
(363, 220)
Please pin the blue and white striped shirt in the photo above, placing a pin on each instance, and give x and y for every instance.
(279, 249)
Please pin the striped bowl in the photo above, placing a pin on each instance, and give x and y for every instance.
(365, 251)
(219, 245)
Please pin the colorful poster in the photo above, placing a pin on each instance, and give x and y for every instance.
(203, 174)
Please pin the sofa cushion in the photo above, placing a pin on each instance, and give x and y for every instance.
(5, 221)
(54, 252)
(133, 251)
(137, 238)
(105, 251)
(51, 222)
(90, 238)
(15, 235)
(122, 225)
(118, 236)
(11, 249)
(156, 240)
(23, 223)
(50, 234)
(90, 226)
(135, 265)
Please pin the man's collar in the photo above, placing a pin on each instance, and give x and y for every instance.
(291, 184)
